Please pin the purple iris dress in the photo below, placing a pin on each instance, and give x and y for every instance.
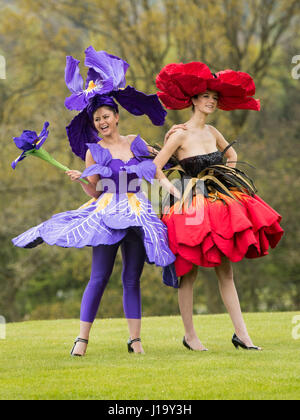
(121, 207)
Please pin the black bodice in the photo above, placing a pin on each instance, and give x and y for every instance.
(195, 164)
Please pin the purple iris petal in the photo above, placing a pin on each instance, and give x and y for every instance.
(77, 101)
(43, 136)
(96, 170)
(29, 140)
(106, 66)
(26, 140)
(80, 132)
(146, 169)
(138, 103)
(102, 87)
(15, 162)
(92, 76)
(73, 78)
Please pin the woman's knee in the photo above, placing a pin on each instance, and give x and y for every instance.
(191, 277)
(224, 271)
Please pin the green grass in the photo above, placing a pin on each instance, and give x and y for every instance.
(35, 361)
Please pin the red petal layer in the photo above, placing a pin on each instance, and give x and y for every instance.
(207, 231)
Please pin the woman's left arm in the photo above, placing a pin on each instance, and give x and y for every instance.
(231, 154)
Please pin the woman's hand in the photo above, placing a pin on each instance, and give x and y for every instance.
(173, 130)
(74, 175)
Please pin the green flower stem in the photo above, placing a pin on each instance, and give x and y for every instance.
(43, 154)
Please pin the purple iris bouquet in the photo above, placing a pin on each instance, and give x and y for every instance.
(31, 145)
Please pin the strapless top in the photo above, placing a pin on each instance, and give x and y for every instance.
(195, 164)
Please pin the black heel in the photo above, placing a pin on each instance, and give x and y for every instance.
(188, 346)
(78, 340)
(239, 343)
(130, 342)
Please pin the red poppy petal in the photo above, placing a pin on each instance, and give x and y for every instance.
(238, 78)
(172, 103)
(228, 103)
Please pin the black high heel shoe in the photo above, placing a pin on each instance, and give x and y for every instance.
(189, 347)
(239, 343)
(78, 340)
(130, 342)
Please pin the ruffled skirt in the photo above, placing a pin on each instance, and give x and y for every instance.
(104, 221)
(207, 229)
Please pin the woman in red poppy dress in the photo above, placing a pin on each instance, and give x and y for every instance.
(217, 218)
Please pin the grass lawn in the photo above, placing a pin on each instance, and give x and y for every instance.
(35, 361)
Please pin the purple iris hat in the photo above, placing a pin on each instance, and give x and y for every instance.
(105, 83)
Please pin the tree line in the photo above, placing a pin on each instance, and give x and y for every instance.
(256, 36)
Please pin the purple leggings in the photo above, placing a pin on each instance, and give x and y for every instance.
(134, 255)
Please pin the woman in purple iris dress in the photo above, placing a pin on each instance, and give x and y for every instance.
(119, 214)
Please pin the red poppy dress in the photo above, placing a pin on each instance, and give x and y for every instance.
(221, 216)
(220, 213)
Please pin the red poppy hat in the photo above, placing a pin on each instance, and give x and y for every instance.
(178, 83)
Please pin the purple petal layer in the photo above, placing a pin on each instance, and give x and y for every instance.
(96, 170)
(139, 147)
(107, 66)
(43, 136)
(73, 77)
(146, 169)
(26, 141)
(92, 76)
(104, 221)
(80, 132)
(15, 162)
(77, 101)
(100, 155)
(138, 103)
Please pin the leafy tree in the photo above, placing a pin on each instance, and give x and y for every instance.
(256, 36)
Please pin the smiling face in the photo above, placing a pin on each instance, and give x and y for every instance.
(106, 121)
(206, 102)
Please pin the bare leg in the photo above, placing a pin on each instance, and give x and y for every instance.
(231, 300)
(185, 299)
(85, 328)
(134, 326)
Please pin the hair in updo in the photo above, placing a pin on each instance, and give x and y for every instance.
(99, 101)
(110, 108)
(193, 106)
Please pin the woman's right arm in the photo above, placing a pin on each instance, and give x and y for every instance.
(170, 147)
(93, 180)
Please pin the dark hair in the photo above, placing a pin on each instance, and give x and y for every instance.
(110, 108)
(193, 106)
